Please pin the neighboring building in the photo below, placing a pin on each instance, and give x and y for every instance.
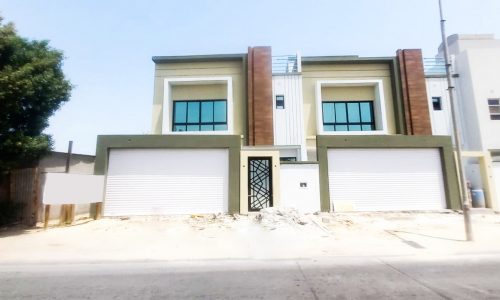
(25, 186)
(240, 132)
(475, 64)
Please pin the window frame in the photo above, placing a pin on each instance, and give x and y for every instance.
(379, 105)
(199, 123)
(167, 105)
(288, 158)
(440, 103)
(494, 116)
(281, 101)
(372, 123)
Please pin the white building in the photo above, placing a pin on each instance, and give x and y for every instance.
(475, 66)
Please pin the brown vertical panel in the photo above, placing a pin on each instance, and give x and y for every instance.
(251, 140)
(23, 190)
(417, 115)
(35, 202)
(260, 96)
(404, 84)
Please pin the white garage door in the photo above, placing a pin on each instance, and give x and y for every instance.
(386, 179)
(166, 181)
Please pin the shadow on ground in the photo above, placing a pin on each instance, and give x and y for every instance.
(395, 233)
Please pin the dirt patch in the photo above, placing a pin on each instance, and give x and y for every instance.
(273, 233)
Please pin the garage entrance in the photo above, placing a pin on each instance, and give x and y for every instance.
(166, 181)
(386, 179)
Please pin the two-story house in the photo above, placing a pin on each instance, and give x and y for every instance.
(240, 132)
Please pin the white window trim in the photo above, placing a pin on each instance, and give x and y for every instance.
(378, 106)
(168, 103)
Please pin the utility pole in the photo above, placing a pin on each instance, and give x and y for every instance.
(456, 134)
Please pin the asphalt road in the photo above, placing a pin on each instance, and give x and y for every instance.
(458, 277)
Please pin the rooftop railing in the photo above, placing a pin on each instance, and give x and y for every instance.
(434, 66)
(284, 64)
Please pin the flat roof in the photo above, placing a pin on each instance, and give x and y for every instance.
(346, 59)
(199, 58)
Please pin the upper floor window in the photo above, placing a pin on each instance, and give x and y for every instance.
(280, 102)
(348, 116)
(494, 105)
(436, 103)
(200, 115)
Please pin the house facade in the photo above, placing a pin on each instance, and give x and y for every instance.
(237, 133)
(475, 61)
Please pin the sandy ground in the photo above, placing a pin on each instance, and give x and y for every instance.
(270, 235)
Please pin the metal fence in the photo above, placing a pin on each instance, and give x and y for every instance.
(283, 64)
(435, 66)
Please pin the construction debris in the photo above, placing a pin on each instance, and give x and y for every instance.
(273, 217)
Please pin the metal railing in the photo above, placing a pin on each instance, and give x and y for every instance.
(435, 66)
(283, 64)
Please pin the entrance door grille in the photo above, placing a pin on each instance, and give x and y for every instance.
(260, 183)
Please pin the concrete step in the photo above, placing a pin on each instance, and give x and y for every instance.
(482, 211)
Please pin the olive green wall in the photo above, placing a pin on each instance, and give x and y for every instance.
(232, 142)
(443, 143)
(234, 69)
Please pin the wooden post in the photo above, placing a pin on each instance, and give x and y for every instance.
(36, 190)
(62, 215)
(98, 210)
(71, 214)
(68, 156)
(69, 209)
(46, 216)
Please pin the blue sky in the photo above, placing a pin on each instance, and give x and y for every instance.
(108, 44)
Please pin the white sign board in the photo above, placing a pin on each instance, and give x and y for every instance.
(63, 188)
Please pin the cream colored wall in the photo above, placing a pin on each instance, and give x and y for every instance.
(199, 92)
(235, 69)
(486, 170)
(311, 73)
(353, 93)
(244, 176)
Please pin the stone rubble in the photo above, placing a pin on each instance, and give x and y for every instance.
(273, 217)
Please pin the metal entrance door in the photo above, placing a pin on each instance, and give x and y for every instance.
(260, 183)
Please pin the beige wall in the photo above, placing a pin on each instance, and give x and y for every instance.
(353, 93)
(55, 162)
(199, 92)
(234, 69)
(315, 72)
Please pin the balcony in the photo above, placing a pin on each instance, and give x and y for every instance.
(286, 64)
(434, 66)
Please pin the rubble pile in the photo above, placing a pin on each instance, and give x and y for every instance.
(273, 217)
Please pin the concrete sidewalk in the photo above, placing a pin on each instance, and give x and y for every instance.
(278, 235)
